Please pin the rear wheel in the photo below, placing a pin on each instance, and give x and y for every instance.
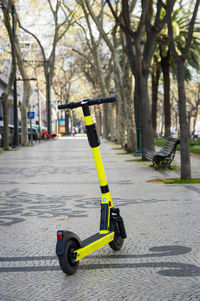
(117, 243)
(67, 259)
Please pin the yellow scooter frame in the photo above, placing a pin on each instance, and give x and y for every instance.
(69, 248)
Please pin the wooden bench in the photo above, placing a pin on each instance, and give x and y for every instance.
(165, 155)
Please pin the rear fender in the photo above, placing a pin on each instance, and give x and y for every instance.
(66, 235)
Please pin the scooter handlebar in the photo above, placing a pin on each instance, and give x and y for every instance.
(89, 102)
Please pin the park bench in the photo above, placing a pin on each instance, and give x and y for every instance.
(165, 155)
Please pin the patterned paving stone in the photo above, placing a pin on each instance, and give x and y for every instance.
(54, 186)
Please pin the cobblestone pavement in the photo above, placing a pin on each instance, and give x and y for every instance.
(54, 186)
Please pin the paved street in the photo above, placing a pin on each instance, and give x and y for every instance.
(54, 186)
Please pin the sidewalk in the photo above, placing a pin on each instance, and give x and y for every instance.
(54, 186)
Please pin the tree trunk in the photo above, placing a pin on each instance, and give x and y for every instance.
(196, 109)
(120, 130)
(141, 84)
(129, 109)
(48, 97)
(111, 124)
(104, 91)
(155, 74)
(140, 70)
(195, 119)
(184, 139)
(26, 94)
(165, 64)
(97, 110)
(121, 116)
(131, 128)
(121, 119)
(5, 119)
(6, 8)
(24, 137)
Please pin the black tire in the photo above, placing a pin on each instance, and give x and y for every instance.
(117, 243)
(67, 264)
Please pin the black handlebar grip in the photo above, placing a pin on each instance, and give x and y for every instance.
(101, 100)
(70, 105)
(60, 107)
(107, 99)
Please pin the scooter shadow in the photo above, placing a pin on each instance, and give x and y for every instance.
(170, 269)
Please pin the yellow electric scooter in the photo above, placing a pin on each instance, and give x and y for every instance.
(69, 248)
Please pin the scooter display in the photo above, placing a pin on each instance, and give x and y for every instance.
(70, 248)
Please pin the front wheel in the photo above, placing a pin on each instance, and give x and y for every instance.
(67, 260)
(117, 243)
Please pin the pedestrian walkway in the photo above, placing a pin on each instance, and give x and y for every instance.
(53, 185)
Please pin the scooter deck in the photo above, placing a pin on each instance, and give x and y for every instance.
(93, 243)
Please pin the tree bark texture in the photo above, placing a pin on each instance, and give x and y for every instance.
(165, 64)
(5, 120)
(121, 116)
(184, 138)
(142, 100)
(25, 101)
(143, 111)
(129, 109)
(24, 136)
(155, 75)
(6, 8)
(98, 115)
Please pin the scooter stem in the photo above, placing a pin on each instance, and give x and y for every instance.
(94, 142)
